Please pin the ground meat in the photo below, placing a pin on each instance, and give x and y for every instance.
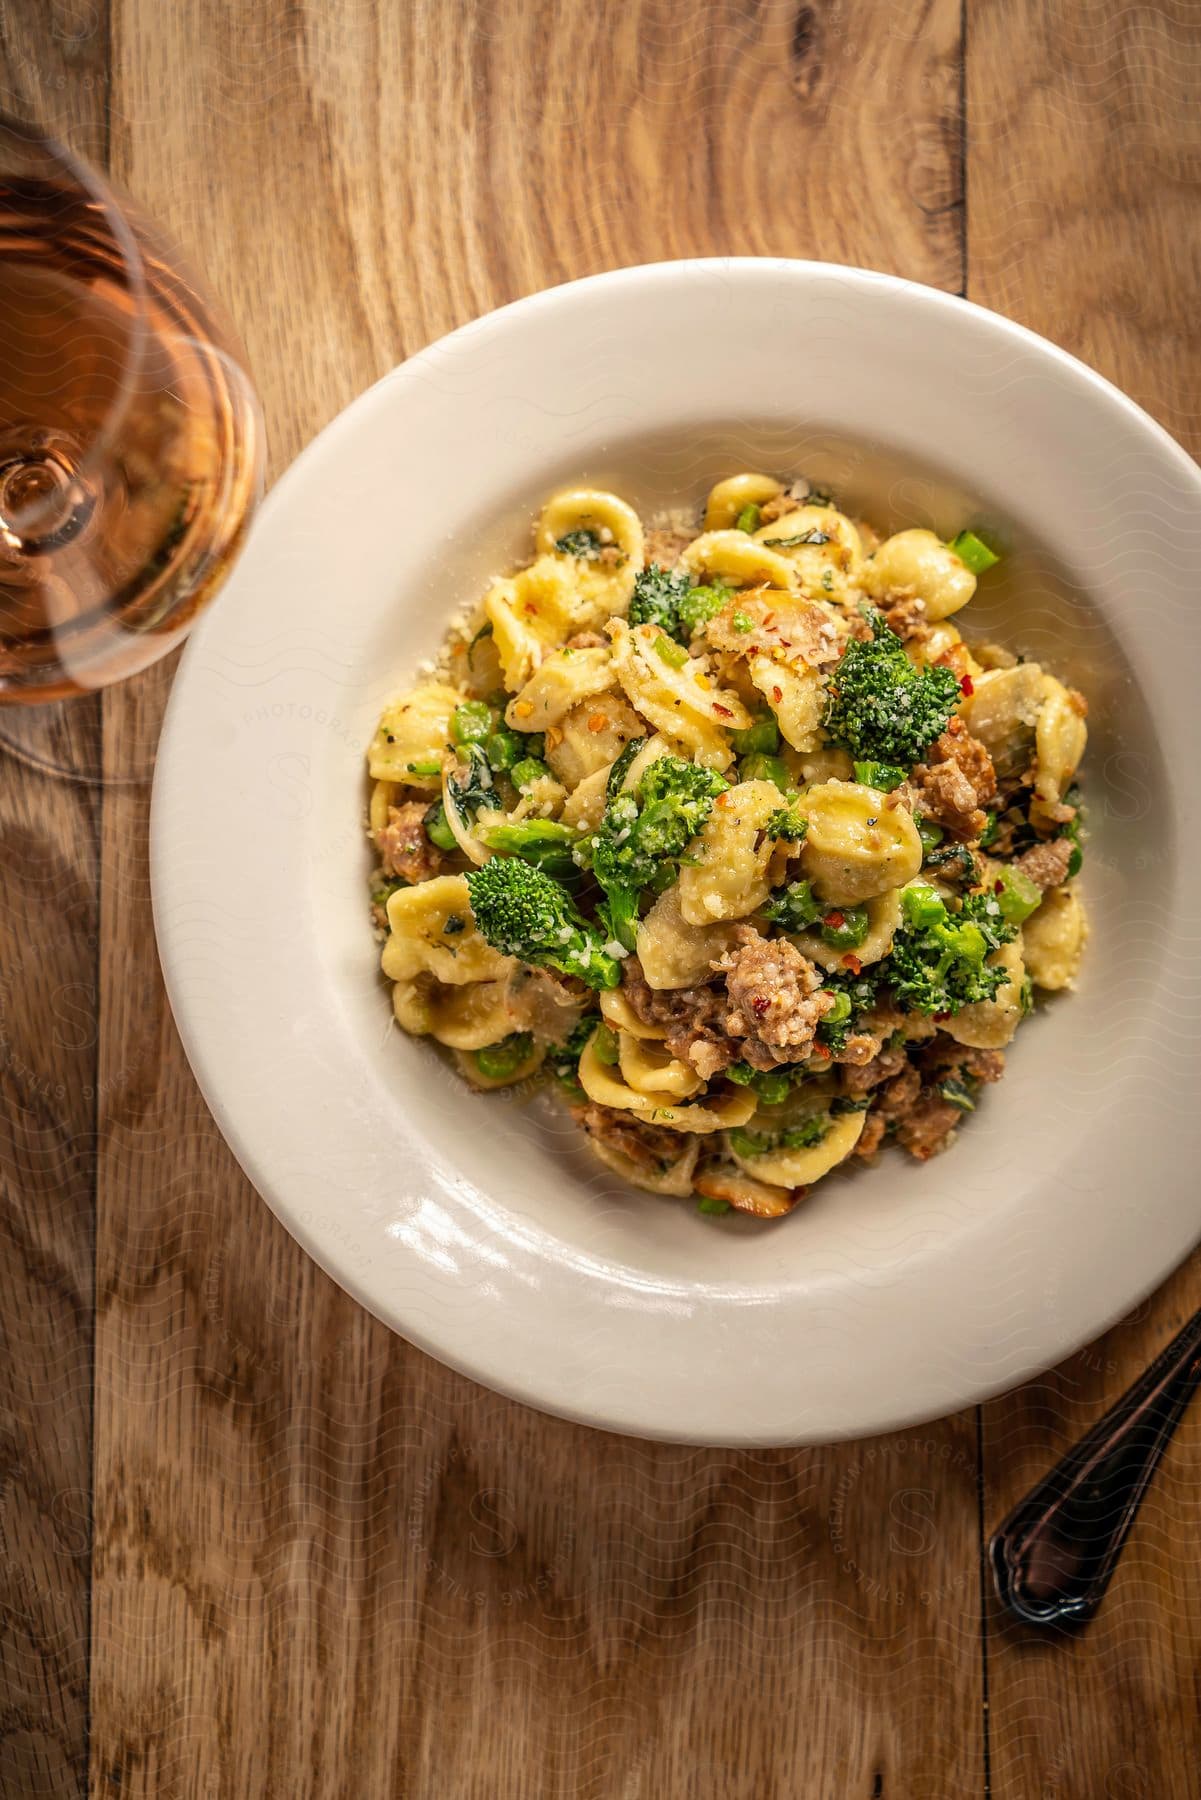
(693, 1019)
(906, 615)
(862, 1078)
(649, 1147)
(871, 1136)
(664, 546)
(586, 640)
(944, 1057)
(776, 998)
(771, 510)
(928, 1126)
(403, 846)
(1047, 864)
(956, 782)
(900, 1092)
(860, 1049)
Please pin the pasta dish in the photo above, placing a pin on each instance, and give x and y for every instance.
(719, 826)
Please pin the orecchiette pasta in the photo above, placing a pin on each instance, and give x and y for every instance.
(728, 874)
(859, 843)
(751, 869)
(920, 562)
(1053, 939)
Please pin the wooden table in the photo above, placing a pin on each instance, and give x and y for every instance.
(254, 1545)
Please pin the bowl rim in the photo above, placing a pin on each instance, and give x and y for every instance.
(475, 1364)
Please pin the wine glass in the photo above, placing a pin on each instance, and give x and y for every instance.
(131, 440)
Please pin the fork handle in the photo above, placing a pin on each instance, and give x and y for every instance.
(1053, 1556)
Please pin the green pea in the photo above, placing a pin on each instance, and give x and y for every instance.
(841, 1008)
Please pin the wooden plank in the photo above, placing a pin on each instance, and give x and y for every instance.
(326, 1565)
(53, 70)
(1084, 147)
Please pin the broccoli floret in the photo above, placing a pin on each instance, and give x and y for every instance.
(793, 907)
(656, 598)
(938, 959)
(786, 822)
(880, 707)
(644, 833)
(525, 913)
(667, 598)
(563, 1060)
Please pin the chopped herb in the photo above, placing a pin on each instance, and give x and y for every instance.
(815, 535)
(583, 543)
(958, 1093)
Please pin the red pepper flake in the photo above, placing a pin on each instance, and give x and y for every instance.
(777, 694)
(943, 1015)
(967, 686)
(998, 887)
(852, 963)
(823, 1050)
(769, 620)
(760, 1004)
(723, 710)
(835, 919)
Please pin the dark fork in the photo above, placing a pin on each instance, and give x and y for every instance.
(1053, 1557)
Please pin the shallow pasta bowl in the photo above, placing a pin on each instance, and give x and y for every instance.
(477, 1226)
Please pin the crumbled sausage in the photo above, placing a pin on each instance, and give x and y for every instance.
(649, 1147)
(586, 640)
(1046, 865)
(665, 546)
(871, 1136)
(692, 1019)
(928, 1126)
(404, 848)
(862, 1078)
(767, 621)
(955, 783)
(776, 997)
(906, 615)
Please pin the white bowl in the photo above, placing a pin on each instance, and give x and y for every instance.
(479, 1227)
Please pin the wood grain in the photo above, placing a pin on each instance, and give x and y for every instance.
(321, 1564)
(442, 1593)
(49, 1005)
(1096, 248)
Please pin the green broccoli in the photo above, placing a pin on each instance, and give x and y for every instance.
(787, 823)
(644, 833)
(667, 598)
(543, 842)
(583, 543)
(938, 959)
(525, 913)
(793, 907)
(880, 707)
(563, 1060)
(656, 598)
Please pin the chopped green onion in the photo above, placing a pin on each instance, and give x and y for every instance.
(668, 651)
(504, 749)
(921, 905)
(426, 765)
(748, 519)
(763, 735)
(931, 835)
(884, 776)
(582, 543)
(759, 767)
(974, 552)
(472, 722)
(500, 1061)
(604, 1042)
(1017, 896)
(716, 1207)
(848, 929)
(841, 1008)
(437, 828)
